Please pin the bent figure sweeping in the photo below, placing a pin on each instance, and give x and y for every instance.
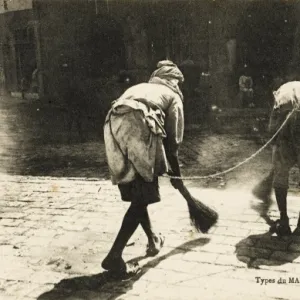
(142, 134)
(286, 149)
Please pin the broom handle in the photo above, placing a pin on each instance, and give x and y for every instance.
(184, 192)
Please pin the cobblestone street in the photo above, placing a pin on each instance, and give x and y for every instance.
(220, 78)
(54, 232)
(57, 226)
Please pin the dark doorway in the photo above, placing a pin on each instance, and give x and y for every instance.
(25, 57)
(265, 41)
(105, 47)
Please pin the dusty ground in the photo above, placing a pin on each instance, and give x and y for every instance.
(55, 231)
(37, 142)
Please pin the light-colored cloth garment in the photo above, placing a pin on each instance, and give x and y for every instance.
(135, 128)
(286, 150)
(287, 96)
(168, 70)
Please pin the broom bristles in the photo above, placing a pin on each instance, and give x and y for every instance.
(263, 192)
(263, 189)
(202, 217)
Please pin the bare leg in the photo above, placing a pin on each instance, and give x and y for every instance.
(281, 195)
(297, 230)
(282, 227)
(131, 221)
(155, 242)
(147, 227)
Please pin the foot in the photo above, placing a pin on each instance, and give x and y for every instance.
(113, 263)
(154, 249)
(296, 232)
(281, 228)
(119, 268)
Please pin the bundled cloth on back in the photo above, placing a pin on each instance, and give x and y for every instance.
(139, 137)
(139, 121)
(286, 98)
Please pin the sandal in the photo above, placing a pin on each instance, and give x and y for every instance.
(154, 250)
(131, 270)
(281, 228)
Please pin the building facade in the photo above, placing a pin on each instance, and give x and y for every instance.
(92, 40)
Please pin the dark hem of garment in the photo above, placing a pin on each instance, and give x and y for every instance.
(140, 191)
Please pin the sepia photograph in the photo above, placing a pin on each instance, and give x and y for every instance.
(150, 149)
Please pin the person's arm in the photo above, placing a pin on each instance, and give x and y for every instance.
(172, 158)
(174, 129)
(276, 120)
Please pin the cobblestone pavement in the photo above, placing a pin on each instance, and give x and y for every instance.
(55, 230)
(54, 233)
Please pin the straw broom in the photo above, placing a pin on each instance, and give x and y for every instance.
(263, 189)
(202, 217)
(263, 192)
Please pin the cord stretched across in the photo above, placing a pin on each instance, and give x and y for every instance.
(240, 163)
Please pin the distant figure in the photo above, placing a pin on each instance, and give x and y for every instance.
(246, 89)
(23, 87)
(35, 81)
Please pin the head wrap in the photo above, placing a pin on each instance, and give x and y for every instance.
(287, 96)
(167, 71)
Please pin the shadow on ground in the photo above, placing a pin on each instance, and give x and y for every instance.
(96, 286)
(268, 250)
(65, 166)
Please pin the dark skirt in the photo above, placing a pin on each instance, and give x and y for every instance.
(140, 191)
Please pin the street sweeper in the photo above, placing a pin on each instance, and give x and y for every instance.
(142, 134)
(285, 154)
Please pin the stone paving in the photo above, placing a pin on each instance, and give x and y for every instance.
(54, 233)
(55, 230)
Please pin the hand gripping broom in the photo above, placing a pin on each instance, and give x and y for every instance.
(202, 217)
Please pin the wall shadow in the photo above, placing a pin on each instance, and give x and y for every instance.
(91, 287)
